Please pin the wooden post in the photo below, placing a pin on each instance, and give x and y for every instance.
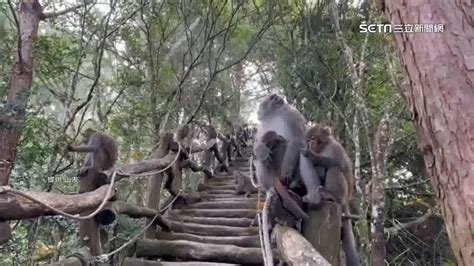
(81, 257)
(89, 231)
(295, 249)
(208, 157)
(323, 230)
(156, 181)
(5, 232)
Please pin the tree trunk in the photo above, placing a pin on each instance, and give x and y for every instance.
(440, 69)
(13, 115)
(12, 118)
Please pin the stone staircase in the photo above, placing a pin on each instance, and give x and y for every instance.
(218, 230)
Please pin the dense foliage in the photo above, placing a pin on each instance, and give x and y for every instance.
(138, 68)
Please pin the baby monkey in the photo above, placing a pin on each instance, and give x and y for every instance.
(270, 152)
(101, 149)
(323, 150)
(243, 183)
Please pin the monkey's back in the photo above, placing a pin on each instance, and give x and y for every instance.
(109, 146)
(336, 151)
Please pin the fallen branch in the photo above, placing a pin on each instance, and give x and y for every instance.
(13, 207)
(54, 14)
(397, 226)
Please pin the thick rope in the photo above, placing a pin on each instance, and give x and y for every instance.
(255, 185)
(260, 236)
(266, 237)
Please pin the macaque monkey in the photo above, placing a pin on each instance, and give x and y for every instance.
(101, 149)
(325, 151)
(243, 185)
(270, 152)
(183, 133)
(212, 134)
(274, 114)
(226, 148)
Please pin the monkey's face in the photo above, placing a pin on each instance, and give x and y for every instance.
(86, 135)
(269, 104)
(317, 138)
(315, 144)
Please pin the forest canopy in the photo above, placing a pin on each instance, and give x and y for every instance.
(138, 69)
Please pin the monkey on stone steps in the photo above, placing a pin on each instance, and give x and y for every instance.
(325, 151)
(102, 153)
(243, 183)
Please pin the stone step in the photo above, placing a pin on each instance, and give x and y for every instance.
(185, 250)
(236, 222)
(212, 230)
(241, 241)
(237, 213)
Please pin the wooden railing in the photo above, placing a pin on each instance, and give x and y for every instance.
(169, 159)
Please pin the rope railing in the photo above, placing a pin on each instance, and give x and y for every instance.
(94, 200)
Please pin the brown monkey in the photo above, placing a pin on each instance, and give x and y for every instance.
(243, 185)
(325, 151)
(270, 151)
(212, 134)
(183, 133)
(101, 149)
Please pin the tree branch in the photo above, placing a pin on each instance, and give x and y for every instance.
(54, 14)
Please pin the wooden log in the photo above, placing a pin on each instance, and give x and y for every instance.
(188, 250)
(203, 147)
(141, 167)
(79, 258)
(295, 249)
(14, 207)
(89, 231)
(197, 168)
(71, 261)
(223, 197)
(220, 191)
(132, 211)
(177, 182)
(237, 213)
(241, 241)
(224, 205)
(236, 222)
(156, 181)
(203, 187)
(142, 262)
(212, 230)
(323, 230)
(215, 182)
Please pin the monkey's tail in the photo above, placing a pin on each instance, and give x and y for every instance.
(348, 241)
(254, 184)
(288, 202)
(260, 236)
(267, 245)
